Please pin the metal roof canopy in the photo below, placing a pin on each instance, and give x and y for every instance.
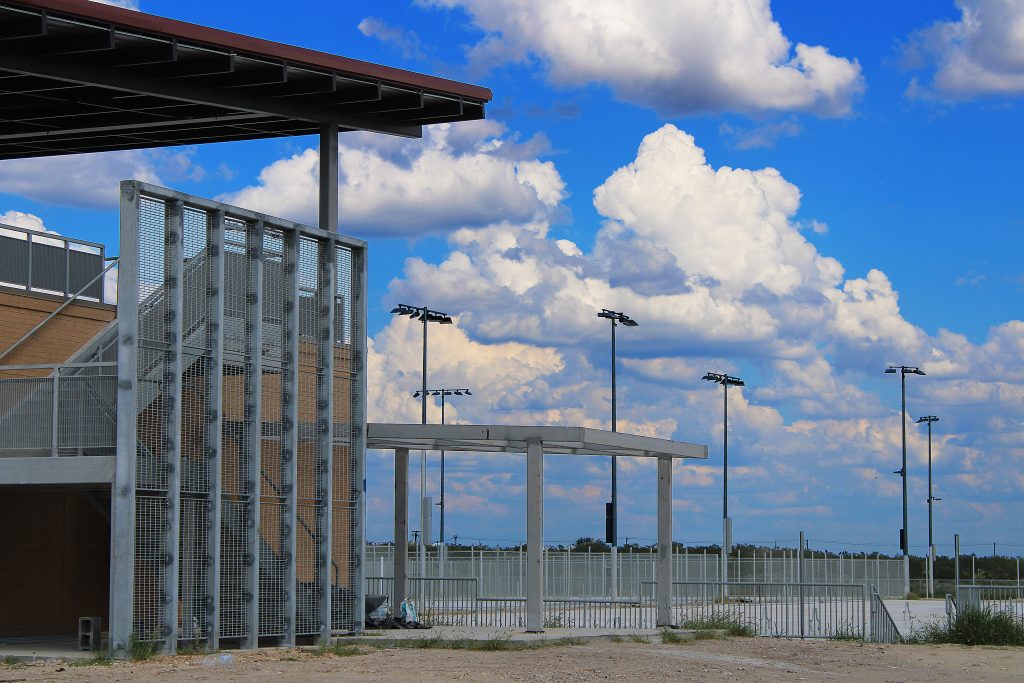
(515, 439)
(80, 76)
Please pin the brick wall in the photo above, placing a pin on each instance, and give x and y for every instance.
(56, 341)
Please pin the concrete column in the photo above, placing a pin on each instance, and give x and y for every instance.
(401, 526)
(534, 538)
(664, 586)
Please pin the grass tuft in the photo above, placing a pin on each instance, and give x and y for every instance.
(669, 637)
(973, 626)
(848, 633)
(721, 621)
(140, 650)
(101, 658)
(11, 660)
(339, 649)
(705, 634)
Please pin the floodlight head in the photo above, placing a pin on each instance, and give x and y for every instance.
(891, 370)
(468, 392)
(457, 392)
(917, 371)
(712, 377)
(927, 418)
(617, 317)
(447, 320)
(416, 394)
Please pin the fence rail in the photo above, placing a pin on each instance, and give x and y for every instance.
(1009, 599)
(792, 610)
(573, 574)
(883, 628)
(69, 411)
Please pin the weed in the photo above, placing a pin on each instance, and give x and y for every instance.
(723, 622)
(140, 650)
(637, 638)
(616, 639)
(705, 634)
(11, 660)
(555, 621)
(339, 649)
(847, 632)
(973, 626)
(293, 658)
(101, 658)
(668, 636)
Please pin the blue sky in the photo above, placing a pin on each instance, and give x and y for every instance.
(799, 193)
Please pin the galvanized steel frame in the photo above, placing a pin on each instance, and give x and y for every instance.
(123, 551)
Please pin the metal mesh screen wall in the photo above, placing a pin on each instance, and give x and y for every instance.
(246, 340)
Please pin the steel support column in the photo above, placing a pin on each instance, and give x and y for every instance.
(290, 430)
(325, 383)
(534, 537)
(253, 426)
(357, 430)
(325, 431)
(214, 418)
(401, 560)
(122, 520)
(171, 392)
(664, 582)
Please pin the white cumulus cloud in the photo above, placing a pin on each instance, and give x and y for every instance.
(464, 176)
(675, 56)
(981, 54)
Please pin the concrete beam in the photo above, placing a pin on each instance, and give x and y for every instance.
(86, 469)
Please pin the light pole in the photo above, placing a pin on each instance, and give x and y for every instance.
(931, 543)
(425, 315)
(726, 381)
(904, 370)
(442, 393)
(612, 508)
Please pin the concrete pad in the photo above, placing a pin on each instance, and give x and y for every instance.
(43, 649)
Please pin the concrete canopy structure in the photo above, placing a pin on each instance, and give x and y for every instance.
(534, 441)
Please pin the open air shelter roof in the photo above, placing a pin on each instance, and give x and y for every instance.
(80, 76)
(514, 439)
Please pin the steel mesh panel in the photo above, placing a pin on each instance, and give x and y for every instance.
(49, 267)
(346, 550)
(87, 412)
(307, 574)
(26, 407)
(287, 565)
(237, 281)
(14, 260)
(234, 568)
(150, 567)
(193, 563)
(273, 590)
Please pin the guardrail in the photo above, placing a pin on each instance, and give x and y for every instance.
(790, 610)
(51, 264)
(809, 610)
(883, 628)
(1009, 599)
(70, 411)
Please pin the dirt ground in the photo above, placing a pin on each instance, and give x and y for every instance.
(730, 659)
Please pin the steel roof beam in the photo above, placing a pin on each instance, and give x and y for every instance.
(52, 67)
